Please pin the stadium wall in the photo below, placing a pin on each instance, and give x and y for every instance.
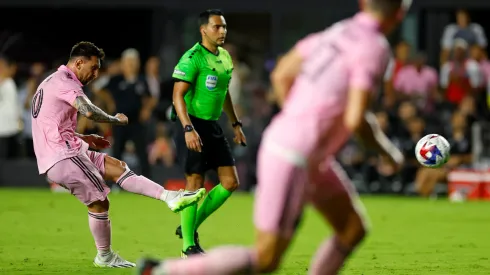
(23, 173)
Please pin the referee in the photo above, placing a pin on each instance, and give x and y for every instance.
(200, 95)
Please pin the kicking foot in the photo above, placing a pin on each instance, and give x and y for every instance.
(178, 232)
(112, 261)
(179, 200)
(191, 250)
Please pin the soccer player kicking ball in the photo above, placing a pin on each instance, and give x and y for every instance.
(200, 95)
(325, 82)
(63, 154)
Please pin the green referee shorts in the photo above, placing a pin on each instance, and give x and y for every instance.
(216, 151)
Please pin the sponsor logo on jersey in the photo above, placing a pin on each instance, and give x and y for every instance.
(179, 72)
(211, 82)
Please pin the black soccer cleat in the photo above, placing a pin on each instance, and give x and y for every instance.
(145, 266)
(191, 250)
(178, 232)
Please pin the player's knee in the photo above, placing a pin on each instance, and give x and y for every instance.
(194, 182)
(354, 232)
(230, 184)
(268, 259)
(99, 206)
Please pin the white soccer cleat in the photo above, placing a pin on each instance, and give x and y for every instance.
(114, 261)
(178, 200)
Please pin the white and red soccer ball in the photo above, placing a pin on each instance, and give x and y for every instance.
(432, 151)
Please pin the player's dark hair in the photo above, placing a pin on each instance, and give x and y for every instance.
(204, 16)
(86, 49)
(385, 6)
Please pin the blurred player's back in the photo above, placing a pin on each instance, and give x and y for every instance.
(351, 53)
(54, 119)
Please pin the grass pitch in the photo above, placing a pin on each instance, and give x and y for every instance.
(46, 233)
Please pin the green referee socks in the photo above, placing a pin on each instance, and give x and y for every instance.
(187, 221)
(214, 200)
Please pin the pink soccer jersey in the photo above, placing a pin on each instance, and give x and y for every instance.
(54, 119)
(410, 81)
(351, 54)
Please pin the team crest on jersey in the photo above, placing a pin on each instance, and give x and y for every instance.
(211, 82)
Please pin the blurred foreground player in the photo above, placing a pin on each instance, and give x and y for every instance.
(63, 154)
(326, 83)
(200, 96)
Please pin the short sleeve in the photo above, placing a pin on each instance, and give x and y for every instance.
(481, 38)
(448, 36)
(368, 66)
(187, 69)
(306, 45)
(69, 96)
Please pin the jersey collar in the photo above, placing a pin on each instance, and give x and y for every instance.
(365, 19)
(202, 46)
(71, 73)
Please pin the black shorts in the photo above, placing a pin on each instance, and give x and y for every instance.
(216, 151)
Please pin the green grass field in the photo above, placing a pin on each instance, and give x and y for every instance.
(46, 233)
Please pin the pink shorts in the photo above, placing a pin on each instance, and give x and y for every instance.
(284, 187)
(82, 176)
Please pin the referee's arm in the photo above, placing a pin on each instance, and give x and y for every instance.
(180, 89)
(230, 109)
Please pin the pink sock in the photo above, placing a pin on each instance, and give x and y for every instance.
(220, 261)
(329, 258)
(129, 181)
(100, 226)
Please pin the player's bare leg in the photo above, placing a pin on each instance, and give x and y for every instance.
(341, 210)
(228, 177)
(100, 226)
(427, 178)
(265, 257)
(120, 173)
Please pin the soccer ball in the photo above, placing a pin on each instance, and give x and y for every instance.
(432, 151)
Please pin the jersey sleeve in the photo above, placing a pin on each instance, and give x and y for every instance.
(70, 95)
(306, 45)
(187, 69)
(368, 66)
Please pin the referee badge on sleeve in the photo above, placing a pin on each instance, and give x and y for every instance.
(211, 82)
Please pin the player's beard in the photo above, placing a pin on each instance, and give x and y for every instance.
(87, 81)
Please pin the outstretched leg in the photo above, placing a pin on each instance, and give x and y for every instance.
(120, 173)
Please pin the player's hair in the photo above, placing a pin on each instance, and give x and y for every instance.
(86, 49)
(385, 6)
(204, 16)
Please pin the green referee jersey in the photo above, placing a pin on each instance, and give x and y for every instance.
(209, 75)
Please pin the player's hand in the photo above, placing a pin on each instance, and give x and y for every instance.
(239, 136)
(122, 118)
(193, 141)
(97, 142)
